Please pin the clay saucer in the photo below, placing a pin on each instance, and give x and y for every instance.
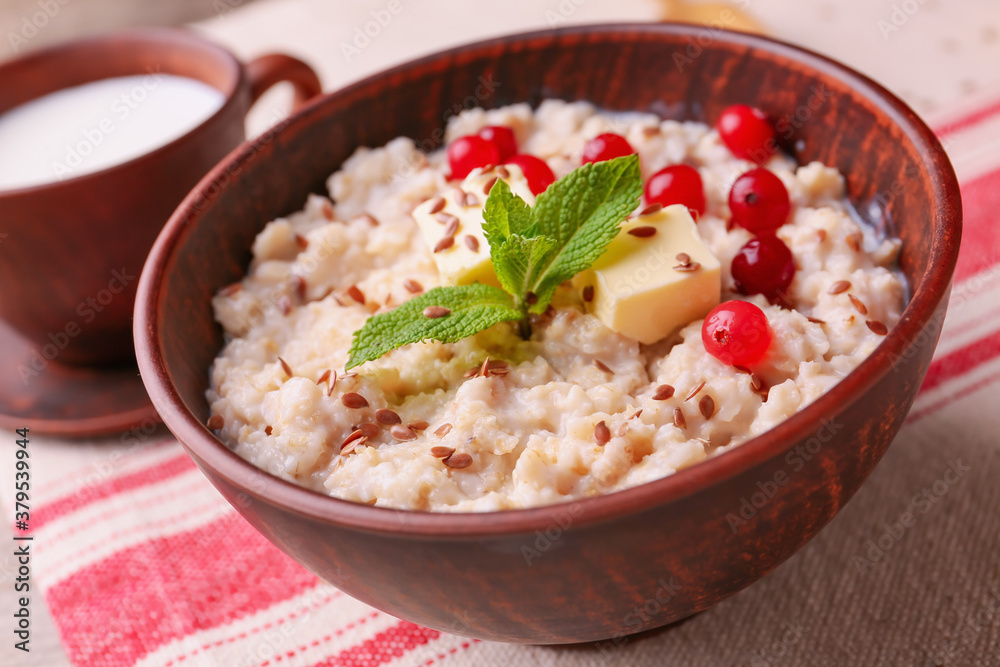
(58, 399)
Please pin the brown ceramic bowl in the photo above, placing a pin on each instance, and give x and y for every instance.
(628, 561)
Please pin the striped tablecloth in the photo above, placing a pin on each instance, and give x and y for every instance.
(141, 561)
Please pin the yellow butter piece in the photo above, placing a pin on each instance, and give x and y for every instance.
(466, 262)
(637, 290)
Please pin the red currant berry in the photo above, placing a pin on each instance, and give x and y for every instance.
(536, 172)
(502, 137)
(736, 333)
(759, 201)
(747, 133)
(606, 146)
(467, 153)
(764, 266)
(677, 184)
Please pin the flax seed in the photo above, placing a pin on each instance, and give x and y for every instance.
(707, 406)
(636, 414)
(285, 367)
(489, 185)
(679, 420)
(663, 392)
(445, 218)
(687, 268)
(503, 172)
(354, 400)
(324, 377)
(443, 430)
(877, 327)
(602, 366)
(858, 304)
(442, 452)
(355, 293)
(444, 244)
(623, 430)
(854, 241)
(821, 235)
(327, 211)
(420, 425)
(839, 287)
(412, 286)
(651, 209)
(400, 432)
(230, 290)
(215, 422)
(369, 429)
(437, 205)
(642, 232)
(683, 258)
(387, 417)
(370, 219)
(471, 242)
(588, 293)
(458, 461)
(602, 434)
(268, 430)
(301, 241)
(434, 312)
(452, 227)
(694, 392)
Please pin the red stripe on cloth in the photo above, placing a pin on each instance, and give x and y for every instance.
(980, 230)
(962, 361)
(968, 120)
(74, 478)
(255, 630)
(945, 402)
(116, 611)
(450, 652)
(384, 647)
(111, 486)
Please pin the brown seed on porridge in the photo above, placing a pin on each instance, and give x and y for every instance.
(387, 417)
(354, 400)
(602, 434)
(663, 392)
(458, 461)
(215, 422)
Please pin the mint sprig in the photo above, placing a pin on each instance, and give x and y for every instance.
(533, 251)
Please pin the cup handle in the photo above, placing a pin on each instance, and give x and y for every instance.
(273, 68)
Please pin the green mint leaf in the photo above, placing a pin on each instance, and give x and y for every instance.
(517, 261)
(583, 212)
(504, 213)
(473, 308)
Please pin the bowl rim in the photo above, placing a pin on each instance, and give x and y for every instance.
(212, 454)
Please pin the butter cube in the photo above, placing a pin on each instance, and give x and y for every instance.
(641, 285)
(467, 259)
